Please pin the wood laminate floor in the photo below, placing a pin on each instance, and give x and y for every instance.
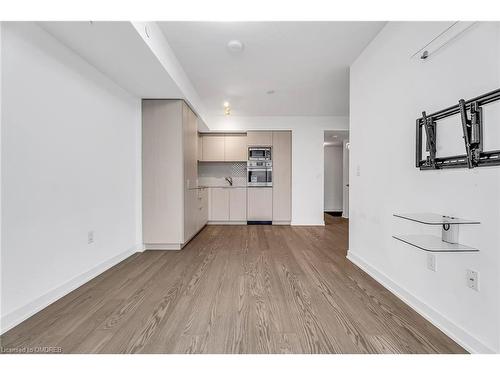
(235, 289)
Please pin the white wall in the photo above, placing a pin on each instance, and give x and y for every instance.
(70, 164)
(307, 156)
(388, 92)
(333, 178)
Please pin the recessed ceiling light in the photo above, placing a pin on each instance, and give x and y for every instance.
(270, 92)
(227, 108)
(235, 46)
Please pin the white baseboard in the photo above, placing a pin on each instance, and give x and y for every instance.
(19, 315)
(299, 224)
(162, 246)
(281, 222)
(456, 333)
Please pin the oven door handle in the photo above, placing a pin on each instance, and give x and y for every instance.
(259, 169)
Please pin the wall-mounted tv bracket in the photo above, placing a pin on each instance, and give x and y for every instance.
(472, 129)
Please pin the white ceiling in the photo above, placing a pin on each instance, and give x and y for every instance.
(117, 50)
(305, 63)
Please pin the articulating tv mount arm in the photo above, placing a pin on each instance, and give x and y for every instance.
(472, 129)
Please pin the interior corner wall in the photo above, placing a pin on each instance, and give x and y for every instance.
(388, 92)
(70, 156)
(308, 134)
(333, 178)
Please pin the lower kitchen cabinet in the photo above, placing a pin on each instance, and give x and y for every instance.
(189, 213)
(219, 204)
(260, 204)
(238, 204)
(228, 204)
(202, 208)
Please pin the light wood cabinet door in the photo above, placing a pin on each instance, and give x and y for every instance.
(202, 212)
(200, 147)
(219, 204)
(162, 188)
(260, 138)
(282, 176)
(235, 147)
(190, 213)
(190, 152)
(237, 204)
(260, 204)
(213, 147)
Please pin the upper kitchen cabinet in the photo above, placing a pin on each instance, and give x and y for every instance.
(260, 138)
(223, 147)
(235, 146)
(282, 177)
(212, 147)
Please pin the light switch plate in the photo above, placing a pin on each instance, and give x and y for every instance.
(431, 262)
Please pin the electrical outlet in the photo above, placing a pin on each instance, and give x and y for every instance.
(431, 262)
(473, 280)
(90, 237)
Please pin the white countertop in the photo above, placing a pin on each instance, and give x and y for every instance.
(223, 186)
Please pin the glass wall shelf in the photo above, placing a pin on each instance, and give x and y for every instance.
(448, 243)
(433, 244)
(435, 219)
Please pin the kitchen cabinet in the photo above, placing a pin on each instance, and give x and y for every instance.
(213, 147)
(235, 147)
(219, 204)
(260, 138)
(238, 204)
(190, 213)
(227, 204)
(282, 177)
(202, 212)
(200, 147)
(223, 147)
(260, 204)
(190, 152)
(169, 173)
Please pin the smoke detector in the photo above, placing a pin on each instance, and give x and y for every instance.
(235, 46)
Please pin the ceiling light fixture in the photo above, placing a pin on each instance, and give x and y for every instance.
(227, 108)
(235, 46)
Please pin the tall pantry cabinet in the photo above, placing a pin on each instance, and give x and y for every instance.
(282, 177)
(174, 208)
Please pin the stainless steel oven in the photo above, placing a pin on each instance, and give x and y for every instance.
(259, 173)
(259, 153)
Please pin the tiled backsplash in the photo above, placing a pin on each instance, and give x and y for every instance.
(213, 173)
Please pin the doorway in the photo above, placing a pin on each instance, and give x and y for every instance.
(336, 173)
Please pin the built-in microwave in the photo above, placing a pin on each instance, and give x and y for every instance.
(259, 153)
(259, 173)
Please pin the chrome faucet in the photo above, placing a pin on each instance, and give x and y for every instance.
(229, 180)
